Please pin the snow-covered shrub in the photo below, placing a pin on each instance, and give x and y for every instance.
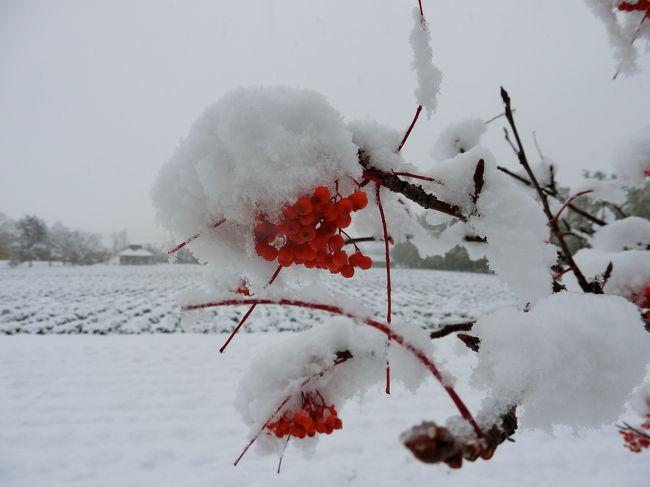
(270, 186)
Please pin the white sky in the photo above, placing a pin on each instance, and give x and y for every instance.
(95, 95)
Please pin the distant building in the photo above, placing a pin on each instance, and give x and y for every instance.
(135, 255)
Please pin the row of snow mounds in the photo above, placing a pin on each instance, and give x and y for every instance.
(105, 299)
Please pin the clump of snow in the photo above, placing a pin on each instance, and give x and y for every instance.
(458, 138)
(304, 363)
(628, 233)
(602, 190)
(625, 244)
(506, 215)
(428, 76)
(632, 159)
(253, 151)
(572, 359)
(624, 29)
(640, 401)
(380, 142)
(630, 273)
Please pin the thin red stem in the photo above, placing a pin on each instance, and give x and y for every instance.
(408, 131)
(323, 371)
(570, 200)
(417, 176)
(356, 247)
(385, 227)
(386, 330)
(247, 314)
(420, 4)
(192, 238)
(561, 273)
(283, 452)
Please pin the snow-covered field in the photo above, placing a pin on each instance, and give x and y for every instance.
(156, 410)
(141, 299)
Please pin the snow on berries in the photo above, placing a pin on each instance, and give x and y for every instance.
(309, 233)
(249, 154)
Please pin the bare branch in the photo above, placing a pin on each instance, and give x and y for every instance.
(571, 207)
(523, 160)
(452, 328)
(411, 191)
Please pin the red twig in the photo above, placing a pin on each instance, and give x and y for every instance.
(561, 273)
(421, 12)
(386, 330)
(570, 200)
(351, 240)
(408, 131)
(417, 176)
(385, 228)
(338, 361)
(192, 238)
(247, 314)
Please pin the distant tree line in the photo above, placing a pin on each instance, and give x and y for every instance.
(578, 229)
(31, 239)
(405, 254)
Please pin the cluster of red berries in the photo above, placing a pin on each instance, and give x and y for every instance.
(637, 440)
(314, 417)
(310, 233)
(642, 300)
(639, 6)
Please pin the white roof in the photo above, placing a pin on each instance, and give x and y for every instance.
(135, 253)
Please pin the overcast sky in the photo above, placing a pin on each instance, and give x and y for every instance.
(94, 96)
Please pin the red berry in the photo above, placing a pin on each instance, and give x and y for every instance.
(293, 227)
(329, 228)
(285, 256)
(340, 258)
(321, 196)
(365, 263)
(359, 200)
(308, 219)
(344, 207)
(303, 206)
(347, 271)
(344, 221)
(269, 253)
(305, 253)
(336, 242)
(307, 233)
(355, 259)
(319, 241)
(330, 212)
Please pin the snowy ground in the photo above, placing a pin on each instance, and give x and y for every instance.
(156, 409)
(107, 299)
